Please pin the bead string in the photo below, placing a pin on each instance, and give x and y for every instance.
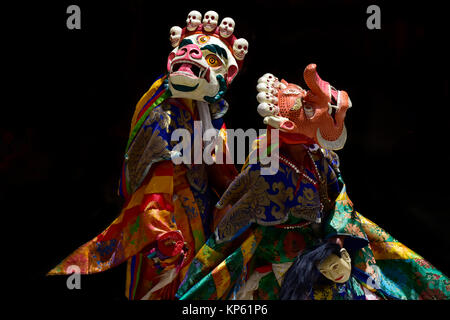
(315, 183)
(297, 170)
(322, 206)
(315, 166)
(294, 226)
(289, 163)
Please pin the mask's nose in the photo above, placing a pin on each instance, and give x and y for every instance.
(191, 51)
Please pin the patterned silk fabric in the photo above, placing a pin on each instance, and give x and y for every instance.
(251, 264)
(272, 199)
(271, 221)
(160, 197)
(266, 226)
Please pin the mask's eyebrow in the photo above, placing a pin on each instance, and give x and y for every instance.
(216, 49)
(185, 42)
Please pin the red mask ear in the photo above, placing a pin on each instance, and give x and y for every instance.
(169, 60)
(232, 72)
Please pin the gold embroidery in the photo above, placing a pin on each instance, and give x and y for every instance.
(184, 120)
(280, 199)
(161, 117)
(253, 199)
(179, 119)
(252, 195)
(239, 186)
(308, 195)
(197, 177)
(147, 147)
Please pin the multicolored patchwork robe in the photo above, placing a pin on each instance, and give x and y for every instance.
(260, 236)
(160, 197)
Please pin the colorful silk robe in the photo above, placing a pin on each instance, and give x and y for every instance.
(252, 260)
(160, 197)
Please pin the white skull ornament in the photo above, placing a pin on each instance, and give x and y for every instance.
(271, 80)
(268, 78)
(264, 87)
(266, 97)
(210, 21)
(226, 27)
(175, 35)
(240, 48)
(193, 20)
(267, 109)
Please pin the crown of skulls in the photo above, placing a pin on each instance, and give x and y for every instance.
(206, 57)
(210, 25)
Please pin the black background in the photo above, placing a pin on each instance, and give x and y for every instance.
(74, 91)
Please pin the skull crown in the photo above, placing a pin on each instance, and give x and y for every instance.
(209, 24)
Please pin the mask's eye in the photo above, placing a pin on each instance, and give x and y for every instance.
(213, 60)
(202, 39)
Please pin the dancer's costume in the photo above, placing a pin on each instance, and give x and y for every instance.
(273, 217)
(167, 216)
